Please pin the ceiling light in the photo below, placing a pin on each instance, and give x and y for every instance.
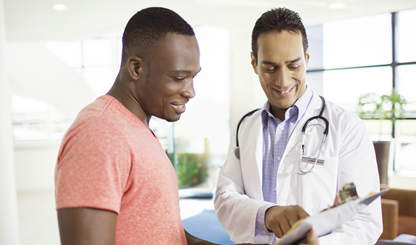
(338, 5)
(59, 7)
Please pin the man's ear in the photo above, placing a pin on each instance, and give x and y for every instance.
(253, 62)
(307, 56)
(134, 67)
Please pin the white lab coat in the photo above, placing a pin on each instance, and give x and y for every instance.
(349, 157)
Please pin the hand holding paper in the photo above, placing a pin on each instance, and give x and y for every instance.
(280, 219)
(329, 220)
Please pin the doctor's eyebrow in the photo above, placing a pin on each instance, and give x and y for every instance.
(293, 61)
(275, 64)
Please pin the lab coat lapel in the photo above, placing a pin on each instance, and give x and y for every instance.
(288, 164)
(253, 156)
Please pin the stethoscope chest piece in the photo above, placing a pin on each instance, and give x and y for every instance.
(303, 159)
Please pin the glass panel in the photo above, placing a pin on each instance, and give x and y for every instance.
(405, 146)
(97, 52)
(202, 133)
(119, 52)
(29, 119)
(68, 52)
(35, 120)
(119, 48)
(379, 130)
(406, 86)
(315, 81)
(345, 87)
(405, 37)
(357, 42)
(99, 78)
(314, 34)
(164, 132)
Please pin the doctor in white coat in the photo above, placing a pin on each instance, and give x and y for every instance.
(263, 191)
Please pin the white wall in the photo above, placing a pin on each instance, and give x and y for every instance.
(37, 74)
(35, 165)
(246, 93)
(9, 233)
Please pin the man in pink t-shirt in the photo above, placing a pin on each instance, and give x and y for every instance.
(114, 183)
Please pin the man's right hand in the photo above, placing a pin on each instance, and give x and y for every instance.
(280, 219)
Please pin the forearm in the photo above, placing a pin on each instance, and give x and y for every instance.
(87, 226)
(191, 240)
(261, 228)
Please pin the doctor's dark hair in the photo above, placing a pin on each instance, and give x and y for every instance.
(148, 26)
(280, 19)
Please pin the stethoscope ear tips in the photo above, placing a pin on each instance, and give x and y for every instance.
(237, 153)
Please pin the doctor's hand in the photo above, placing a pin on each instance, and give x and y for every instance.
(280, 219)
(311, 238)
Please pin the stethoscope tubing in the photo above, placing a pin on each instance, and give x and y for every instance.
(301, 172)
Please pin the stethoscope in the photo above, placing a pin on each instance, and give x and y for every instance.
(302, 157)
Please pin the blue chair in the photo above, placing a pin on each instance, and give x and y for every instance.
(206, 226)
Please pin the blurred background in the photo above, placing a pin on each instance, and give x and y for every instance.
(58, 56)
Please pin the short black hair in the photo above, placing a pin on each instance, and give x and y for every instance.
(148, 26)
(280, 19)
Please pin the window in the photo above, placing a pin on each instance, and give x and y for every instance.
(370, 54)
(357, 42)
(202, 133)
(405, 48)
(35, 120)
(353, 83)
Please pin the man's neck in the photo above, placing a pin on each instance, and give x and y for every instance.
(122, 93)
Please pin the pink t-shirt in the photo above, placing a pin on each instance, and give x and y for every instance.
(110, 160)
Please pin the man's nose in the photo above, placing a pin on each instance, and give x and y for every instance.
(283, 78)
(189, 90)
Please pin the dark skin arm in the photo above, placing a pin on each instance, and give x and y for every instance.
(191, 240)
(87, 226)
(95, 226)
(84, 226)
(196, 241)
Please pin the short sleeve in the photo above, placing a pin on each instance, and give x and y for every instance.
(93, 167)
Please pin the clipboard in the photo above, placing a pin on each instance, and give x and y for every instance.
(329, 220)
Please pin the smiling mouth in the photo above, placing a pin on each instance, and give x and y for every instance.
(285, 92)
(179, 108)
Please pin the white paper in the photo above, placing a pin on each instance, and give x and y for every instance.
(329, 220)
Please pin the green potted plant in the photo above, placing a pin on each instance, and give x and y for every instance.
(385, 107)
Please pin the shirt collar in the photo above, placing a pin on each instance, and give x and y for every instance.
(297, 110)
